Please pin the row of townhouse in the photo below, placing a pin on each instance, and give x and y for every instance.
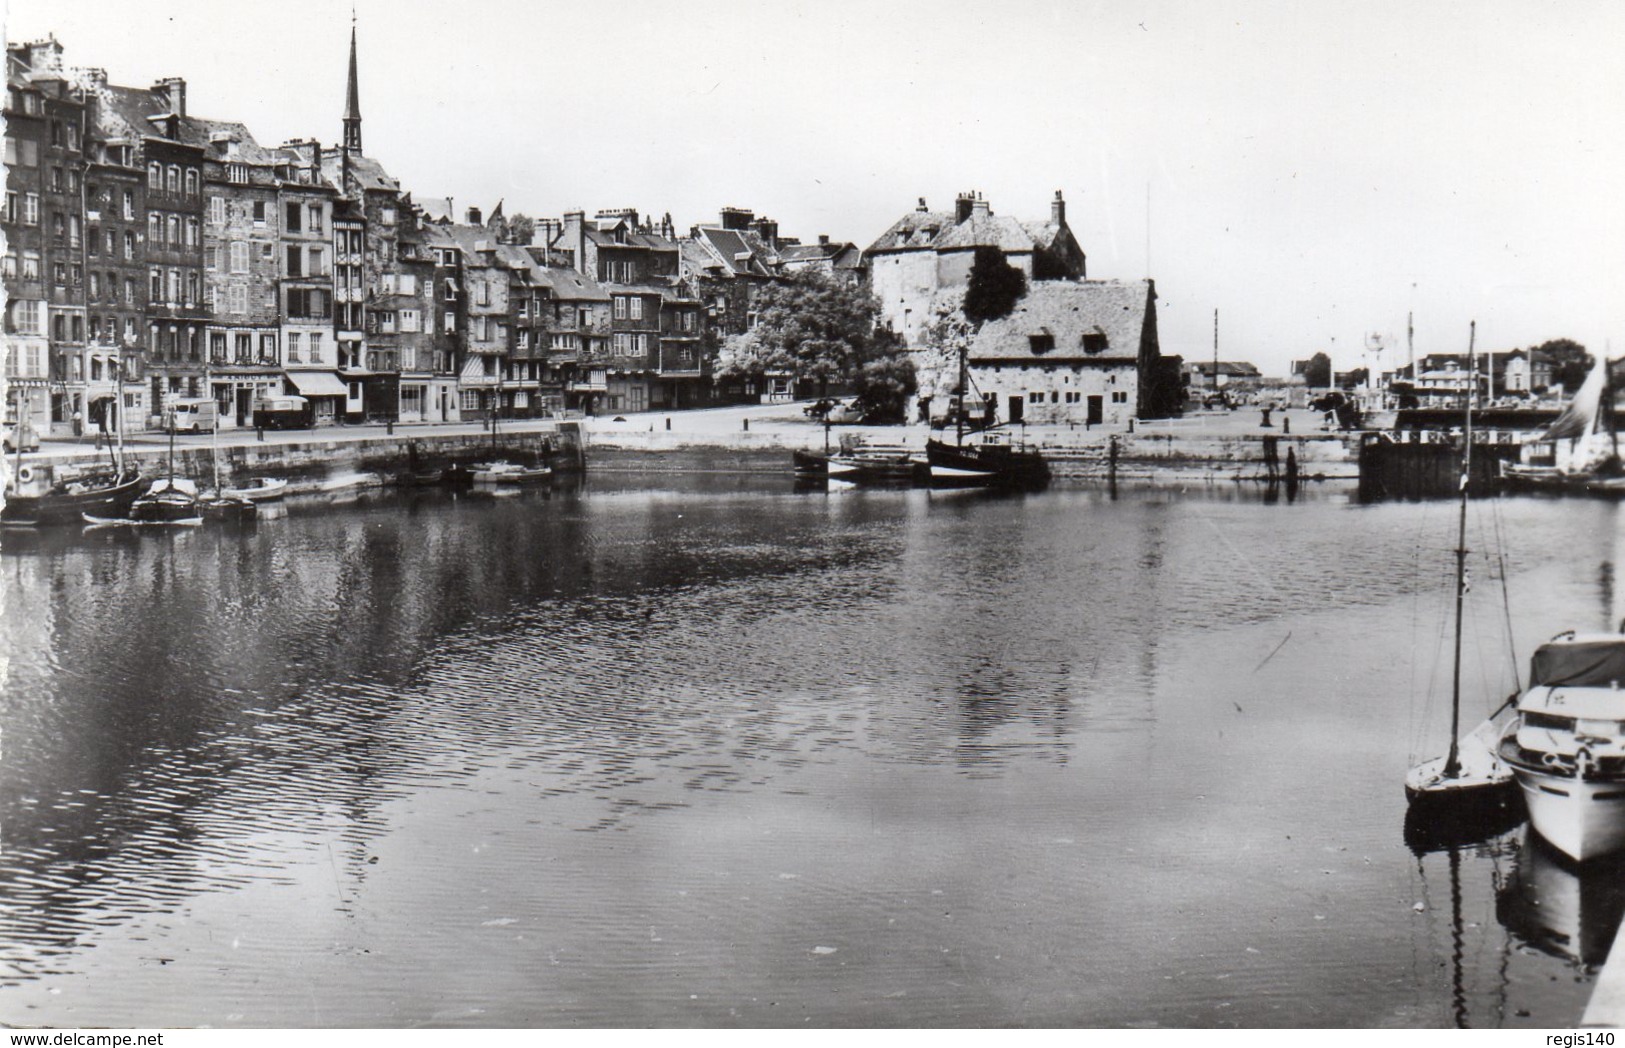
(153, 255)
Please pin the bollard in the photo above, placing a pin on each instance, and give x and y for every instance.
(747, 424)
(389, 427)
(260, 432)
(1131, 424)
(668, 425)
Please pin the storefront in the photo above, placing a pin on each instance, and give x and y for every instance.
(324, 390)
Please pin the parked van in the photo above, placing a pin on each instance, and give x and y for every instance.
(195, 415)
(283, 413)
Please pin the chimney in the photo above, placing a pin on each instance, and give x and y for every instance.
(173, 90)
(472, 216)
(767, 229)
(979, 210)
(736, 218)
(963, 205)
(1057, 210)
(823, 240)
(45, 56)
(576, 222)
(94, 80)
(922, 208)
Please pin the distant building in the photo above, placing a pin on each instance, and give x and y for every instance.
(1207, 376)
(1083, 352)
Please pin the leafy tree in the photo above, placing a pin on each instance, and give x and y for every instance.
(821, 331)
(994, 288)
(886, 380)
(1570, 361)
(1317, 371)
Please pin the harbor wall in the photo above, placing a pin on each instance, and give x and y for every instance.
(308, 464)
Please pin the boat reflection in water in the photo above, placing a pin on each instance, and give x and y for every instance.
(1569, 912)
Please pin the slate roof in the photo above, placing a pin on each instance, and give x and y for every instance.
(367, 173)
(915, 231)
(736, 251)
(998, 231)
(566, 284)
(1067, 311)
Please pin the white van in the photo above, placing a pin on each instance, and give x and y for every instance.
(195, 415)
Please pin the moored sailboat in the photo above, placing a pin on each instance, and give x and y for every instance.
(1471, 774)
(1579, 452)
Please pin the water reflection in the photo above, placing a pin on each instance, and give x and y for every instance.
(1571, 913)
(671, 702)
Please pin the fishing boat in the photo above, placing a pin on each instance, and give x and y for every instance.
(260, 489)
(170, 500)
(36, 501)
(865, 463)
(1566, 744)
(39, 496)
(508, 473)
(1471, 773)
(224, 506)
(1578, 454)
(989, 459)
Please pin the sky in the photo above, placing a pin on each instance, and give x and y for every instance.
(1314, 171)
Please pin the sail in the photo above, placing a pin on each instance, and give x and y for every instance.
(1580, 417)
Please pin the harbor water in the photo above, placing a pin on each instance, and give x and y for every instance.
(710, 751)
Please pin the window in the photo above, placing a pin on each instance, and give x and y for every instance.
(173, 181)
(11, 205)
(295, 259)
(1094, 342)
(191, 287)
(636, 308)
(1041, 344)
(259, 212)
(622, 344)
(290, 220)
(314, 213)
(21, 152)
(174, 231)
(483, 288)
(112, 244)
(315, 347)
(73, 230)
(30, 265)
(155, 176)
(76, 274)
(73, 181)
(8, 267)
(451, 322)
(239, 256)
(217, 210)
(387, 216)
(217, 347)
(294, 340)
(318, 262)
(1120, 396)
(129, 206)
(30, 209)
(56, 180)
(173, 286)
(411, 321)
(194, 236)
(155, 229)
(129, 245)
(25, 318)
(191, 181)
(620, 307)
(470, 399)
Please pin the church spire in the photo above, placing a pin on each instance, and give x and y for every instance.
(352, 102)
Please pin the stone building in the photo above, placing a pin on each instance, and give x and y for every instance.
(116, 281)
(1079, 352)
(242, 269)
(33, 102)
(919, 267)
(306, 253)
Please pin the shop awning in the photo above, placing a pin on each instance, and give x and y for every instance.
(318, 384)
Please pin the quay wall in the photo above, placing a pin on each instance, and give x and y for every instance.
(308, 464)
(1138, 454)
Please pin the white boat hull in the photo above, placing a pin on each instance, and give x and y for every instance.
(1581, 819)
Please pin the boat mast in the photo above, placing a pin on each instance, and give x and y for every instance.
(118, 405)
(214, 431)
(1452, 764)
(964, 391)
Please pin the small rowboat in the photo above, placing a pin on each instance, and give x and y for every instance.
(509, 473)
(260, 489)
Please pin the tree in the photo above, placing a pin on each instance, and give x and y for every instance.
(994, 288)
(1317, 371)
(1570, 361)
(821, 331)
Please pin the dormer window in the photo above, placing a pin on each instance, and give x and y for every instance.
(1094, 343)
(1041, 343)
